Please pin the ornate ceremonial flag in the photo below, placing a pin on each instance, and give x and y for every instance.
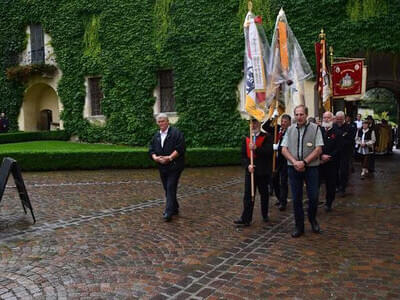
(323, 78)
(257, 50)
(288, 68)
(347, 78)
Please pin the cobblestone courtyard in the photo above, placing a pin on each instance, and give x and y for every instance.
(100, 235)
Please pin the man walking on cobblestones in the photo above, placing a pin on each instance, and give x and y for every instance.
(302, 147)
(280, 176)
(328, 169)
(261, 144)
(346, 153)
(167, 149)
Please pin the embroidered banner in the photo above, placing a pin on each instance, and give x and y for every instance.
(347, 78)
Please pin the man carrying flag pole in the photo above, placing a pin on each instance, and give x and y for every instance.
(256, 54)
(257, 147)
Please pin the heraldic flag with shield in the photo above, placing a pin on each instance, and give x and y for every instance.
(256, 56)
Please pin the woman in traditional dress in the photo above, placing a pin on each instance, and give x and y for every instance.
(365, 140)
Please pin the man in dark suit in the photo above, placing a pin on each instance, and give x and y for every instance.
(280, 176)
(348, 136)
(167, 149)
(329, 166)
(4, 123)
(261, 145)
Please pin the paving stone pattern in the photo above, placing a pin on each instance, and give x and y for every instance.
(100, 235)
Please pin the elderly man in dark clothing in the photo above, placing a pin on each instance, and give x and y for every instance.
(280, 176)
(346, 153)
(328, 167)
(167, 149)
(261, 145)
(4, 123)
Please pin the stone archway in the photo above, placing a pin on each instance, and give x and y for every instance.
(39, 99)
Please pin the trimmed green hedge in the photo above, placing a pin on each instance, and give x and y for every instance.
(17, 137)
(102, 159)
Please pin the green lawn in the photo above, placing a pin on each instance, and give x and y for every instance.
(62, 146)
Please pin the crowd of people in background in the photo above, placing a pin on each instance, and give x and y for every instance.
(311, 152)
(300, 152)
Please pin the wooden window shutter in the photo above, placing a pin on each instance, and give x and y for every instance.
(167, 99)
(96, 95)
(37, 44)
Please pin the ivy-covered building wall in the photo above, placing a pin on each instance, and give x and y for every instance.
(127, 42)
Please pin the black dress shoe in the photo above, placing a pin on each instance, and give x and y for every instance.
(167, 217)
(297, 232)
(240, 222)
(328, 208)
(315, 226)
(282, 207)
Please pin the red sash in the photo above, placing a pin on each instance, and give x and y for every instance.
(259, 142)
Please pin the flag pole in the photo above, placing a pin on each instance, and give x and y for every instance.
(330, 77)
(275, 132)
(323, 61)
(250, 7)
(251, 163)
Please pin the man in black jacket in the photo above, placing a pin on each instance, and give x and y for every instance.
(328, 168)
(261, 145)
(280, 176)
(167, 149)
(348, 136)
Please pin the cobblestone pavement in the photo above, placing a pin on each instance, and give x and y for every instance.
(100, 235)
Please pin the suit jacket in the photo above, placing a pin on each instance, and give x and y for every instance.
(348, 136)
(281, 161)
(263, 159)
(174, 141)
(333, 142)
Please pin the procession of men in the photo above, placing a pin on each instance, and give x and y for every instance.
(299, 152)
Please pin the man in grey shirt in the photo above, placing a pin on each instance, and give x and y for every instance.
(302, 147)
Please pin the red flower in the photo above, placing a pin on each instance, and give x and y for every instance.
(258, 19)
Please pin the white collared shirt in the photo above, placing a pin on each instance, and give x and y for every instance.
(163, 136)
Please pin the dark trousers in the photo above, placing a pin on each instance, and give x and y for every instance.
(365, 160)
(343, 171)
(371, 162)
(260, 183)
(170, 183)
(280, 182)
(327, 174)
(311, 178)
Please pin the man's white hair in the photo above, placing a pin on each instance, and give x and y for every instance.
(162, 116)
(340, 114)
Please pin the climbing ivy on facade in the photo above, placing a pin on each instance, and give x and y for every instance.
(201, 41)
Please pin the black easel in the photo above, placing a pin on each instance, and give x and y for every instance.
(10, 165)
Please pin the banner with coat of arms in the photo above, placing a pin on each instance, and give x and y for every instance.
(347, 77)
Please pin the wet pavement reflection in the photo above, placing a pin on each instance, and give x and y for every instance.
(100, 235)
